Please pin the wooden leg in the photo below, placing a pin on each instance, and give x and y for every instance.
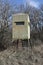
(20, 44)
(30, 43)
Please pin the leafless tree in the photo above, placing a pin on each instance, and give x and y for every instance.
(5, 23)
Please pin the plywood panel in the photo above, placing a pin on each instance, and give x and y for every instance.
(20, 31)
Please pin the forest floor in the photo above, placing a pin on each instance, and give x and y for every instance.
(22, 56)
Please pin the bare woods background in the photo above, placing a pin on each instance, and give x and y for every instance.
(36, 22)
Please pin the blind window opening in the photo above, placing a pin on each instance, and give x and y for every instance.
(20, 23)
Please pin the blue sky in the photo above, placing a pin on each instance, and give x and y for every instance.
(34, 3)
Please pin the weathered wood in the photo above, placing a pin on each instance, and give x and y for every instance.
(20, 31)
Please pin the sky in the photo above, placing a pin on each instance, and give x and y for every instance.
(34, 3)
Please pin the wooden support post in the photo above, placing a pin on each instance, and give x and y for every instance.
(19, 44)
